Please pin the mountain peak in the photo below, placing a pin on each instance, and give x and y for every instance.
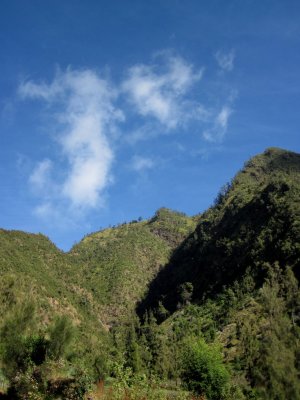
(275, 159)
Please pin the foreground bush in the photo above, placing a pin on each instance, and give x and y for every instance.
(203, 371)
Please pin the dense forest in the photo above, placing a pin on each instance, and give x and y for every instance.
(174, 307)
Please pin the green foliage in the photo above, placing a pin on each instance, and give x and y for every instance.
(204, 372)
(230, 274)
(171, 226)
(29, 357)
(275, 373)
(76, 387)
(267, 338)
(31, 266)
(129, 386)
(26, 386)
(100, 367)
(15, 347)
(60, 337)
(185, 293)
(228, 241)
(119, 262)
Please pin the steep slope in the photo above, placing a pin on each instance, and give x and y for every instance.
(254, 223)
(116, 265)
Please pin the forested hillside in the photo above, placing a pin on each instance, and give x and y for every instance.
(117, 264)
(255, 221)
(166, 308)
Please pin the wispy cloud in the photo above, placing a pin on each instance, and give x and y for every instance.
(142, 163)
(219, 127)
(39, 177)
(159, 91)
(225, 60)
(82, 103)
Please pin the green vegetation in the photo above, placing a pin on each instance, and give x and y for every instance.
(115, 266)
(256, 220)
(203, 370)
(168, 308)
(31, 357)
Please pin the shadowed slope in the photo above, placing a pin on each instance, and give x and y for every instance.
(256, 220)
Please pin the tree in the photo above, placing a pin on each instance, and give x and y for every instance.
(133, 359)
(185, 291)
(14, 349)
(61, 335)
(24, 354)
(275, 373)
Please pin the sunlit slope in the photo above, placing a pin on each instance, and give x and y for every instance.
(117, 264)
(33, 270)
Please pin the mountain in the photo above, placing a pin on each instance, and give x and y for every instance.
(255, 221)
(226, 277)
(102, 277)
(234, 283)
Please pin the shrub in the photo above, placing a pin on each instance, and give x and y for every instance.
(203, 370)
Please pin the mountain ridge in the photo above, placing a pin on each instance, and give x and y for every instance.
(159, 238)
(205, 276)
(229, 240)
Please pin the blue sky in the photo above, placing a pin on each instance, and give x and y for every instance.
(112, 109)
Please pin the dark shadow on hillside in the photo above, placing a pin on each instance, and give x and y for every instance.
(226, 243)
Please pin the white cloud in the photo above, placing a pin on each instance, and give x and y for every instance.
(225, 60)
(40, 175)
(219, 126)
(86, 117)
(83, 106)
(141, 163)
(160, 91)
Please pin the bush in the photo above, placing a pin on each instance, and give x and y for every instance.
(203, 371)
